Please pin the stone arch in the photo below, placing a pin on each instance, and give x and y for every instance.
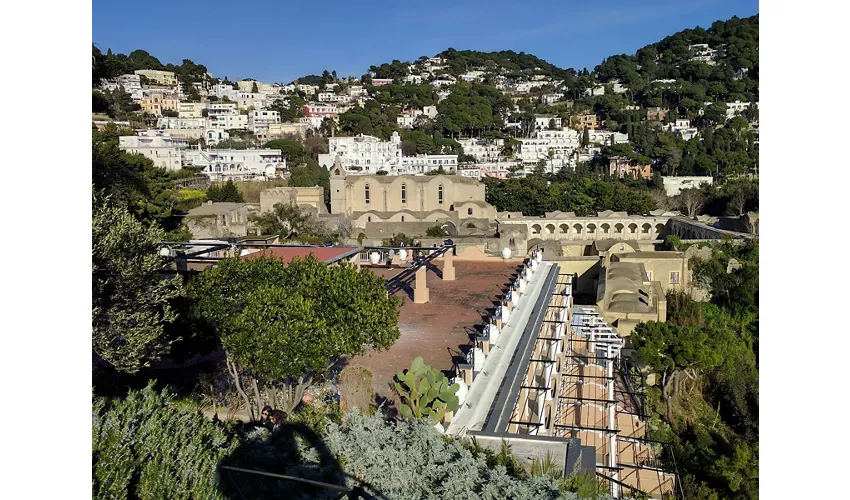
(449, 227)
(550, 228)
(606, 228)
(618, 228)
(659, 228)
(536, 229)
(591, 228)
(564, 228)
(633, 228)
(577, 228)
(646, 228)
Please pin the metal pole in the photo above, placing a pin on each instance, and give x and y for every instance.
(612, 436)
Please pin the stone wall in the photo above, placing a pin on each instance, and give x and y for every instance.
(301, 196)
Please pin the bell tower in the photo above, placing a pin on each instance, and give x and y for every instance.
(339, 206)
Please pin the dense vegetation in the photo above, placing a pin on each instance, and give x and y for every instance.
(706, 355)
(569, 192)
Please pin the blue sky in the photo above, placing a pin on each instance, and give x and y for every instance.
(283, 40)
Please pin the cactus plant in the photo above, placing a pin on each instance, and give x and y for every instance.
(425, 392)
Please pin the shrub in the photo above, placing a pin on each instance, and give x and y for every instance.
(436, 232)
(146, 446)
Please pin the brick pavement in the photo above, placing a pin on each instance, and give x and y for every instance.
(440, 329)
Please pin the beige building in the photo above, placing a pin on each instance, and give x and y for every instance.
(407, 198)
(218, 220)
(625, 297)
(279, 129)
(157, 77)
(312, 197)
(191, 109)
(586, 121)
(670, 269)
(656, 114)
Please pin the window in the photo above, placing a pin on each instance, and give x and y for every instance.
(366, 191)
(469, 211)
(402, 218)
(440, 194)
(674, 277)
(369, 219)
(649, 276)
(404, 193)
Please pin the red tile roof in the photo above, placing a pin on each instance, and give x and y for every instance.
(328, 255)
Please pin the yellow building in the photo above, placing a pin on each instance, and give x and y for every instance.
(155, 104)
(157, 77)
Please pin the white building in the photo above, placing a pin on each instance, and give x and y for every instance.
(165, 123)
(313, 122)
(223, 108)
(228, 122)
(263, 116)
(682, 127)
(236, 164)
(595, 91)
(443, 80)
(364, 153)
(547, 122)
(483, 150)
(546, 145)
(214, 136)
(422, 164)
(412, 79)
(606, 138)
(162, 149)
(332, 97)
(734, 109)
(430, 111)
(617, 87)
(222, 91)
(473, 76)
(551, 98)
(307, 89)
(674, 185)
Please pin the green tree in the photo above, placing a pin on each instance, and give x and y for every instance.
(289, 220)
(144, 446)
(254, 88)
(131, 302)
(282, 325)
(227, 192)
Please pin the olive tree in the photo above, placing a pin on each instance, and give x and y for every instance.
(282, 325)
(131, 302)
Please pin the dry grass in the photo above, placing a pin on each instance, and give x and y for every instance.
(251, 190)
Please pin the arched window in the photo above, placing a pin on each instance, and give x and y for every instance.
(469, 211)
(403, 193)
(366, 193)
(402, 218)
(369, 219)
(440, 194)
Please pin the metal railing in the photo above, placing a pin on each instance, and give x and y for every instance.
(352, 493)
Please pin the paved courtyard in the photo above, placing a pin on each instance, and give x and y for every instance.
(439, 330)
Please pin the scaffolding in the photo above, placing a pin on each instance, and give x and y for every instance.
(577, 385)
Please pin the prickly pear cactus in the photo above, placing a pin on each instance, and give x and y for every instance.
(425, 392)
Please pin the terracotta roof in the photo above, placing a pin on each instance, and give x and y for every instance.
(328, 255)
